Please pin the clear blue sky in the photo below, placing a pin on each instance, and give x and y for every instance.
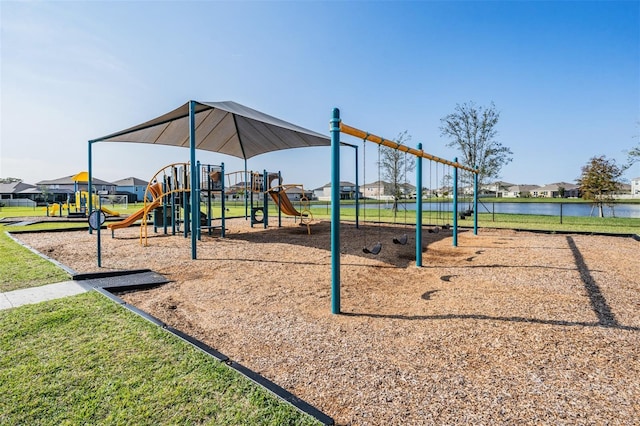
(564, 75)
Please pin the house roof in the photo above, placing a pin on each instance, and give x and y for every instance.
(224, 127)
(131, 181)
(557, 185)
(499, 183)
(523, 188)
(68, 180)
(376, 184)
(342, 183)
(14, 187)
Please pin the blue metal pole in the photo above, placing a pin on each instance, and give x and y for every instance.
(335, 211)
(475, 202)
(265, 198)
(194, 201)
(455, 204)
(224, 206)
(98, 231)
(209, 194)
(419, 210)
(90, 172)
(280, 200)
(196, 220)
(357, 192)
(246, 189)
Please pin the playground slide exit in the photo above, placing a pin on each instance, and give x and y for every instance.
(281, 199)
(156, 191)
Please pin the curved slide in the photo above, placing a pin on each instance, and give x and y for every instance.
(156, 192)
(110, 212)
(281, 199)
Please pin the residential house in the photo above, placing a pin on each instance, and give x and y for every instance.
(558, 190)
(18, 194)
(133, 186)
(295, 193)
(495, 189)
(66, 185)
(521, 191)
(635, 187)
(64, 189)
(347, 191)
(376, 190)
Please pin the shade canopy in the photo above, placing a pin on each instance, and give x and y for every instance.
(224, 127)
(80, 177)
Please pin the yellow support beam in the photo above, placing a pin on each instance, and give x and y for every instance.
(361, 134)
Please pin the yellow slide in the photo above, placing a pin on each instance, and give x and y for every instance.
(156, 192)
(110, 212)
(133, 217)
(281, 199)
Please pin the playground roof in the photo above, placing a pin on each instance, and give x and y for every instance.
(224, 127)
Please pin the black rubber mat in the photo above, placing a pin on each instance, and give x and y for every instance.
(122, 280)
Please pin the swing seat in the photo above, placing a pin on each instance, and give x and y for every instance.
(402, 240)
(377, 247)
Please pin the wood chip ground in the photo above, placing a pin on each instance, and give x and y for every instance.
(508, 328)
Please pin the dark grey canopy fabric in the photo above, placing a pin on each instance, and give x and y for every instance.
(224, 127)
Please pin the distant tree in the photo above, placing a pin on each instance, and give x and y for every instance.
(599, 182)
(634, 154)
(9, 180)
(472, 130)
(45, 192)
(395, 166)
(561, 191)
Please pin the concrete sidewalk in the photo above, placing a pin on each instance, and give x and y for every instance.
(26, 296)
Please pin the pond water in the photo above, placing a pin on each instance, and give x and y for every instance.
(549, 209)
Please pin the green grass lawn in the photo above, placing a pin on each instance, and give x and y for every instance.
(21, 268)
(87, 360)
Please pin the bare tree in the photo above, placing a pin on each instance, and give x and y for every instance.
(634, 153)
(395, 165)
(599, 182)
(472, 130)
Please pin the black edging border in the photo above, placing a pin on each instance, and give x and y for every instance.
(256, 378)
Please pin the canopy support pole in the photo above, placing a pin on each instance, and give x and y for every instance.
(89, 188)
(335, 212)
(195, 205)
(246, 189)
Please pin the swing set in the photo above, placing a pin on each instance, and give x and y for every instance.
(337, 127)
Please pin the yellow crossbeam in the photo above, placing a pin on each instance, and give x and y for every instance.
(391, 144)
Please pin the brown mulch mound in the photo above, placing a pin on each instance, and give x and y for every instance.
(508, 328)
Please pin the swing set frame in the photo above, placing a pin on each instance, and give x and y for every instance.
(336, 128)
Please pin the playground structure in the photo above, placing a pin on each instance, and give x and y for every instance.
(337, 127)
(262, 187)
(167, 201)
(79, 205)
